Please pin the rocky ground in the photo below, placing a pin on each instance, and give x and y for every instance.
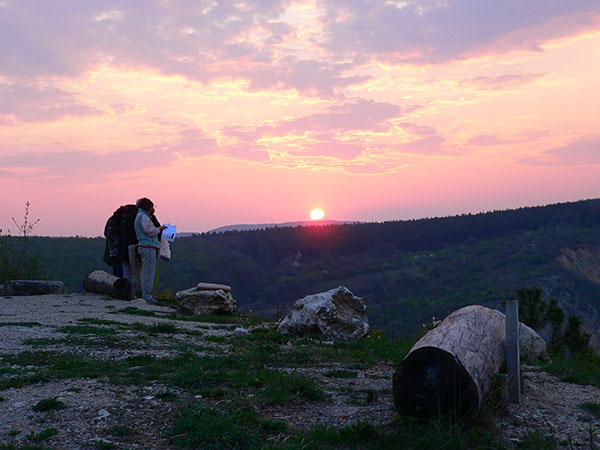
(100, 414)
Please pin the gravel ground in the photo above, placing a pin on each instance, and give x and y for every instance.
(96, 411)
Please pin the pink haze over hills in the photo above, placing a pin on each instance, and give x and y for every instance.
(258, 112)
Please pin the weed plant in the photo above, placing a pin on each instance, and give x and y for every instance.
(16, 261)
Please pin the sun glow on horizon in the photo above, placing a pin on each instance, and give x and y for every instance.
(317, 214)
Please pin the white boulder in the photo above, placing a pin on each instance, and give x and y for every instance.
(207, 298)
(336, 314)
(531, 344)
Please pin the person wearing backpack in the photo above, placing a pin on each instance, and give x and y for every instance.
(127, 249)
(112, 232)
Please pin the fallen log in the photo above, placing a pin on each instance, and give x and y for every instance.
(33, 287)
(449, 370)
(102, 282)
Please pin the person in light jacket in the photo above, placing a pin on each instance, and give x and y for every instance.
(148, 245)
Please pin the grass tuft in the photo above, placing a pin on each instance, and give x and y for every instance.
(207, 428)
(536, 440)
(122, 431)
(341, 373)
(167, 396)
(48, 404)
(43, 435)
(20, 324)
(284, 388)
(592, 407)
(583, 369)
(87, 329)
(157, 328)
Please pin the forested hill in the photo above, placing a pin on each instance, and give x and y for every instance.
(407, 271)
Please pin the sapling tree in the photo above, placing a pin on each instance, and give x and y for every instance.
(15, 260)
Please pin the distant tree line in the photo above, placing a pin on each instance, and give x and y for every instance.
(405, 270)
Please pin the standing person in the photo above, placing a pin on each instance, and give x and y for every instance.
(148, 245)
(112, 232)
(130, 262)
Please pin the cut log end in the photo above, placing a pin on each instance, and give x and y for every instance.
(121, 288)
(431, 384)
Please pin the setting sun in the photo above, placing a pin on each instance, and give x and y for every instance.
(317, 214)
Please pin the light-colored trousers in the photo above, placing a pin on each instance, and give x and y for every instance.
(148, 255)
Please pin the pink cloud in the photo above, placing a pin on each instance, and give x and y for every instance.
(123, 108)
(76, 166)
(208, 40)
(339, 150)
(358, 115)
(431, 145)
(488, 140)
(325, 129)
(369, 168)
(418, 130)
(584, 151)
(36, 104)
(526, 136)
(508, 81)
(257, 153)
(434, 32)
(194, 142)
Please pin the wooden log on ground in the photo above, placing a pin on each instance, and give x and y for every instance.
(102, 282)
(33, 287)
(449, 370)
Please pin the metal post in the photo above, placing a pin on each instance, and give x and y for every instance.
(512, 351)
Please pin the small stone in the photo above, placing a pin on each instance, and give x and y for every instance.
(149, 397)
(240, 331)
(102, 414)
(18, 404)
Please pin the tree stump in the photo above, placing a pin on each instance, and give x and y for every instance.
(102, 282)
(449, 370)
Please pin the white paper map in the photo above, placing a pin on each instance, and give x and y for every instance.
(169, 232)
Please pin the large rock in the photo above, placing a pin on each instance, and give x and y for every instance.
(33, 287)
(531, 344)
(207, 298)
(336, 314)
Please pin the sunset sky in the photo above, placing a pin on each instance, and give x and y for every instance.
(257, 112)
